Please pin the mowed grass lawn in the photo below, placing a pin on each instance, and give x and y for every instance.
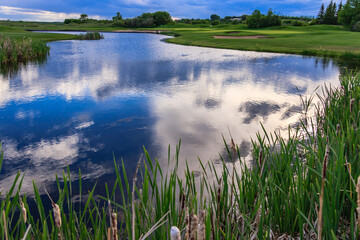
(18, 33)
(319, 40)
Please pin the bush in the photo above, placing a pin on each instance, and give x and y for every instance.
(90, 36)
(216, 22)
(356, 26)
(118, 23)
(313, 22)
(297, 23)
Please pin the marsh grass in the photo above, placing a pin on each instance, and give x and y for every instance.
(14, 51)
(278, 198)
(90, 36)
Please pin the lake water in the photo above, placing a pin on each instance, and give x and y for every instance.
(92, 99)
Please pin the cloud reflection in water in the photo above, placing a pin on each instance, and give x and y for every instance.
(94, 98)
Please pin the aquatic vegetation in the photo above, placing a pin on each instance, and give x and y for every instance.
(300, 186)
(13, 51)
(90, 36)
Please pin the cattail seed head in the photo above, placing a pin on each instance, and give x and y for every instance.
(114, 226)
(326, 159)
(182, 201)
(23, 211)
(57, 215)
(358, 200)
(233, 150)
(338, 129)
(187, 223)
(352, 101)
(175, 233)
(201, 228)
(193, 224)
(218, 195)
(358, 191)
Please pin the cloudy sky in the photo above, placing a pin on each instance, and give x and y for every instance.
(58, 10)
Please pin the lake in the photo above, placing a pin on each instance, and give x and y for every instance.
(92, 100)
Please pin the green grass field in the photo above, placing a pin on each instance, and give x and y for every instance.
(317, 40)
(320, 40)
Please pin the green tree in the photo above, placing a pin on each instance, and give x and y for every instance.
(253, 20)
(349, 14)
(339, 9)
(161, 18)
(214, 17)
(320, 16)
(117, 17)
(83, 17)
(257, 20)
(330, 14)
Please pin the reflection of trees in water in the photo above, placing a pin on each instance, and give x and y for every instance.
(344, 65)
(325, 62)
(11, 69)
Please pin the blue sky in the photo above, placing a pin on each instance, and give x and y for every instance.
(58, 10)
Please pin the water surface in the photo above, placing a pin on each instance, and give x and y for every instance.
(92, 99)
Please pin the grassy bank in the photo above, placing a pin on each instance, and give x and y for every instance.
(303, 185)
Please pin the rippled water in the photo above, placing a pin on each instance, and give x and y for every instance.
(92, 99)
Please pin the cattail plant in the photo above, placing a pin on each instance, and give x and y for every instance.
(187, 225)
(321, 199)
(192, 229)
(338, 128)
(352, 101)
(23, 211)
(201, 228)
(358, 201)
(57, 214)
(114, 226)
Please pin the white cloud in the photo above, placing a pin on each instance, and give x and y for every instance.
(27, 14)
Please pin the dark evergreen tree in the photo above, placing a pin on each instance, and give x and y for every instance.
(320, 16)
(328, 14)
(339, 9)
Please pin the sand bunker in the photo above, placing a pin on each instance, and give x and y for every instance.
(242, 37)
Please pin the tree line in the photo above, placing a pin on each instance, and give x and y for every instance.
(347, 15)
(145, 20)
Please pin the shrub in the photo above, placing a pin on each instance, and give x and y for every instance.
(297, 23)
(118, 23)
(356, 26)
(90, 36)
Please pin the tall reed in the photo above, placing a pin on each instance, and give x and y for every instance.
(13, 51)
